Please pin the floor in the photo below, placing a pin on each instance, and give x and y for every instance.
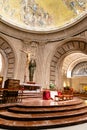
(76, 127)
(80, 127)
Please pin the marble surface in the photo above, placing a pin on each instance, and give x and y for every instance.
(43, 114)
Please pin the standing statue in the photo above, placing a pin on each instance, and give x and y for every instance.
(32, 67)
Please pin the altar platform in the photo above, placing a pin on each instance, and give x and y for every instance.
(36, 113)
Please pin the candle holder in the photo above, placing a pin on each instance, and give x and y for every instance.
(56, 98)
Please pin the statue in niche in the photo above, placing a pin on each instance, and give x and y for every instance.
(31, 65)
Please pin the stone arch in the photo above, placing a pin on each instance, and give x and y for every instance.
(8, 51)
(66, 48)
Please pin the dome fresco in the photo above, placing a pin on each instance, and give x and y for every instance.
(42, 15)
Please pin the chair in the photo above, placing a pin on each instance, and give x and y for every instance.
(46, 95)
(60, 95)
(1, 95)
(1, 81)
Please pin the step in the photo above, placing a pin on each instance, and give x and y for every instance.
(50, 103)
(42, 116)
(30, 95)
(42, 124)
(31, 109)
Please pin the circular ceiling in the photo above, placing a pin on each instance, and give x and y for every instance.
(42, 15)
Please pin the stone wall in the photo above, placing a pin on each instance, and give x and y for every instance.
(49, 48)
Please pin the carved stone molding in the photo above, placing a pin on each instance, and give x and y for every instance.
(55, 35)
(65, 49)
(6, 48)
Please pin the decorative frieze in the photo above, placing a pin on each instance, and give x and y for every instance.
(4, 45)
(53, 64)
(76, 44)
(1, 41)
(10, 55)
(10, 66)
(61, 51)
(82, 45)
(6, 48)
(9, 75)
(70, 45)
(66, 47)
(10, 61)
(10, 70)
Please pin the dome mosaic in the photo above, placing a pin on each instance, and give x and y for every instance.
(42, 15)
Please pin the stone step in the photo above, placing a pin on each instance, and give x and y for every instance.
(30, 95)
(31, 109)
(42, 116)
(42, 124)
(49, 103)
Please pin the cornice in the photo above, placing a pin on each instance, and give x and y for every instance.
(56, 35)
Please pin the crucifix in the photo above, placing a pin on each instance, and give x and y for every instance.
(27, 63)
(30, 65)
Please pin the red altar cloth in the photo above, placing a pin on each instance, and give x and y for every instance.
(46, 95)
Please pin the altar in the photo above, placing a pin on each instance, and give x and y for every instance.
(30, 87)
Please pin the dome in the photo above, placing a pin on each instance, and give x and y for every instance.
(42, 15)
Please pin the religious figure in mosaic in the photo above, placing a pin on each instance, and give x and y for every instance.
(76, 5)
(34, 15)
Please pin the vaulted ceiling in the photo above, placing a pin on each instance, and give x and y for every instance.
(42, 14)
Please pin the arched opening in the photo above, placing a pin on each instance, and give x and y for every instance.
(64, 60)
(7, 59)
(0, 63)
(74, 71)
(3, 65)
(3, 68)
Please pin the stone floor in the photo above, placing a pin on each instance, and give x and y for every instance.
(75, 127)
(40, 102)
